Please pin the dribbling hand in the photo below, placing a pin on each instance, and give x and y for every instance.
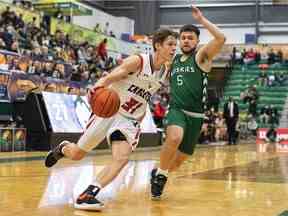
(91, 91)
(99, 84)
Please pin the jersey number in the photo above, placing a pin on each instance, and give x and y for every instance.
(131, 106)
(179, 80)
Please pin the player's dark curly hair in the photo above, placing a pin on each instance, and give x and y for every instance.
(190, 28)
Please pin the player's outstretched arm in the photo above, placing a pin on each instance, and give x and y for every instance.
(130, 65)
(210, 50)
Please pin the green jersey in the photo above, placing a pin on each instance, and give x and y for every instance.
(188, 84)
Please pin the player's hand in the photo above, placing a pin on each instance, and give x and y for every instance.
(196, 13)
(99, 84)
(91, 91)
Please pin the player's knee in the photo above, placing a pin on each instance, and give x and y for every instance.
(121, 160)
(173, 141)
(77, 154)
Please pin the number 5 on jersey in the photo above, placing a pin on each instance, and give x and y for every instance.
(131, 106)
(179, 79)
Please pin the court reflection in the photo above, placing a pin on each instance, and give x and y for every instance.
(66, 183)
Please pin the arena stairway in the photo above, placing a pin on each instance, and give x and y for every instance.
(240, 80)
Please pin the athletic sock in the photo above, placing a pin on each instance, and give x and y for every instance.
(162, 172)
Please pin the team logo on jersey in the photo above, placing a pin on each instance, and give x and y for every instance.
(186, 69)
(140, 92)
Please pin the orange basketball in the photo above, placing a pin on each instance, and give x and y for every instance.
(105, 102)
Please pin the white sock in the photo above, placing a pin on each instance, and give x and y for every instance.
(162, 172)
(62, 150)
(96, 184)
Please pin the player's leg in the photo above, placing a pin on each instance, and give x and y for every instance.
(123, 136)
(174, 136)
(178, 160)
(187, 146)
(176, 121)
(176, 126)
(92, 137)
(120, 156)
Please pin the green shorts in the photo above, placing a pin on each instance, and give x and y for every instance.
(191, 126)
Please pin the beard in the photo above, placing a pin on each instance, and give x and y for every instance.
(188, 52)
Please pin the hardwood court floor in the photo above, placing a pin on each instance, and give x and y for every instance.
(216, 181)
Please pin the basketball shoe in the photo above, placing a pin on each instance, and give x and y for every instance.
(157, 182)
(87, 200)
(55, 154)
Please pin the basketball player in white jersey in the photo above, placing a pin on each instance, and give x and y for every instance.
(135, 80)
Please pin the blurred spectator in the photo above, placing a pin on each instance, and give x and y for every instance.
(279, 57)
(111, 34)
(250, 57)
(6, 35)
(19, 22)
(280, 78)
(59, 14)
(109, 64)
(27, 4)
(47, 69)
(237, 56)
(158, 114)
(250, 94)
(252, 109)
(263, 78)
(252, 125)
(106, 28)
(264, 56)
(257, 57)
(221, 130)
(6, 12)
(58, 71)
(15, 47)
(46, 41)
(2, 44)
(231, 113)
(204, 137)
(264, 114)
(271, 57)
(75, 76)
(271, 134)
(102, 50)
(98, 29)
(271, 79)
(274, 117)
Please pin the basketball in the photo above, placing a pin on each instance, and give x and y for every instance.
(105, 102)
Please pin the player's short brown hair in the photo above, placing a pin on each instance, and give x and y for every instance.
(161, 35)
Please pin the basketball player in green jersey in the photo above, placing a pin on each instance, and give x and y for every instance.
(188, 83)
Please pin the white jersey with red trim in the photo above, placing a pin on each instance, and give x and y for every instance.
(136, 90)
